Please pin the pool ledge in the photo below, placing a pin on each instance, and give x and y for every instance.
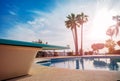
(16, 57)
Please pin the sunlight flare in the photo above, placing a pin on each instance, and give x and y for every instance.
(101, 21)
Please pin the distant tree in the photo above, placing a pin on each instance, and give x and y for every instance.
(118, 42)
(38, 41)
(96, 47)
(110, 44)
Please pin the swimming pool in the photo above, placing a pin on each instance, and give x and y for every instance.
(87, 63)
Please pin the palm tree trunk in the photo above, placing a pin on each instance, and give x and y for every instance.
(76, 42)
(73, 33)
(81, 50)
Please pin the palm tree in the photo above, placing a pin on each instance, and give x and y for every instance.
(72, 24)
(81, 19)
(114, 29)
(117, 19)
(111, 31)
(110, 44)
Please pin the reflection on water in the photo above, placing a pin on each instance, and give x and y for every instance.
(82, 63)
(77, 64)
(113, 64)
(100, 63)
(86, 63)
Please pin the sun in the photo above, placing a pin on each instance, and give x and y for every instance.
(101, 21)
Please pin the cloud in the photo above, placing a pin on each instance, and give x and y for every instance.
(21, 32)
(12, 13)
(50, 27)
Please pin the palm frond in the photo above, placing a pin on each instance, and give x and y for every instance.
(81, 18)
(69, 17)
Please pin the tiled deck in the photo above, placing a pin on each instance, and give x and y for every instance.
(43, 73)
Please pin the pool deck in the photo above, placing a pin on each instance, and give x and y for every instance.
(44, 73)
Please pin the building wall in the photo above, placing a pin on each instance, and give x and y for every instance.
(15, 60)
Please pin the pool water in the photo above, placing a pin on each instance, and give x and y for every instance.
(109, 64)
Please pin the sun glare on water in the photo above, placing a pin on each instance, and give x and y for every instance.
(101, 21)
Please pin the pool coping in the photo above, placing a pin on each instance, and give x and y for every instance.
(46, 59)
(85, 56)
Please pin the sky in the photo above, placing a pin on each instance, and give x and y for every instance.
(30, 20)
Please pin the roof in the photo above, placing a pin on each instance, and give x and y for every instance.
(31, 44)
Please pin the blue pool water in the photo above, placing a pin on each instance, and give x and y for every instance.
(109, 64)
